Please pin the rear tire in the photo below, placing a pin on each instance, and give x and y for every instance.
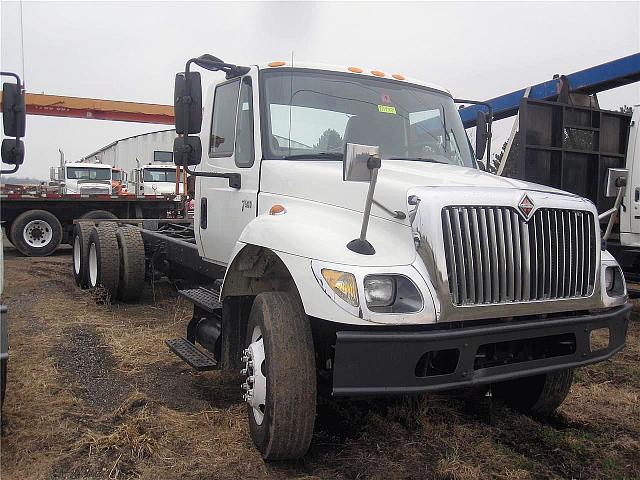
(132, 263)
(104, 260)
(99, 215)
(539, 395)
(80, 243)
(36, 233)
(282, 427)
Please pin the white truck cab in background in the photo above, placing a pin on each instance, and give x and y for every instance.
(83, 178)
(630, 211)
(154, 179)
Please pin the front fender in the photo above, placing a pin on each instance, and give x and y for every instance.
(321, 232)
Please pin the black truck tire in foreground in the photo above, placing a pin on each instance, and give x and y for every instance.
(289, 367)
(36, 233)
(104, 259)
(80, 243)
(132, 263)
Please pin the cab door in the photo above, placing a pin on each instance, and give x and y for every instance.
(630, 213)
(229, 146)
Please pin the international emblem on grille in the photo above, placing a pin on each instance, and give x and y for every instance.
(526, 206)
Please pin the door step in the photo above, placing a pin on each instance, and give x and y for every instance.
(206, 299)
(191, 354)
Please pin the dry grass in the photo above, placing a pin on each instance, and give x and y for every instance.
(94, 393)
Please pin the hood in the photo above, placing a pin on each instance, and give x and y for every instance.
(321, 181)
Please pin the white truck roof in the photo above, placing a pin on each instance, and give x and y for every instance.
(87, 165)
(155, 166)
(355, 70)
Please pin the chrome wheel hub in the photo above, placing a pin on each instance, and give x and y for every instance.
(255, 384)
(37, 233)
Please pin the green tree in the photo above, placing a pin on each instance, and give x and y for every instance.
(330, 140)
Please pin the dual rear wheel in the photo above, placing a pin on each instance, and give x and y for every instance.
(109, 257)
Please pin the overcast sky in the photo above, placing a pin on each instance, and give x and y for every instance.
(131, 51)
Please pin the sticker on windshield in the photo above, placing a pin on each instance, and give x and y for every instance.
(387, 109)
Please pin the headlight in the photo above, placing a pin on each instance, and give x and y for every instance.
(392, 294)
(609, 278)
(343, 284)
(379, 290)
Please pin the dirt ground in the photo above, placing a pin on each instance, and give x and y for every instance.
(93, 392)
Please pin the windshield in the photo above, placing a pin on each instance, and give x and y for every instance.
(86, 173)
(160, 175)
(312, 114)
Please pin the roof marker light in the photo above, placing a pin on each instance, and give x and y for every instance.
(377, 73)
(355, 69)
(277, 210)
(276, 64)
(397, 76)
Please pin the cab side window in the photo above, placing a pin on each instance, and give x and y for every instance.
(244, 126)
(223, 123)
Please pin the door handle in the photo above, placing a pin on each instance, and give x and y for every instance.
(637, 197)
(203, 212)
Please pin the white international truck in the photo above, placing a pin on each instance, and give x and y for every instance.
(345, 243)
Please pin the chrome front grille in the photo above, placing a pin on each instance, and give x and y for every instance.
(494, 256)
(95, 191)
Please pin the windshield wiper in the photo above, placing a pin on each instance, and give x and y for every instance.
(417, 159)
(318, 155)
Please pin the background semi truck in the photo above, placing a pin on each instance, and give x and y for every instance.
(345, 243)
(38, 222)
(157, 180)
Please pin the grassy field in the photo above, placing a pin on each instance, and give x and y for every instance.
(93, 392)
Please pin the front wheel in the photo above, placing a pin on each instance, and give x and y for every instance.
(280, 388)
(539, 395)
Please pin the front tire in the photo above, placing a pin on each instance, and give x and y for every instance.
(539, 395)
(281, 378)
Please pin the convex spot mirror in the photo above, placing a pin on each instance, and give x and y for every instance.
(187, 103)
(12, 151)
(359, 161)
(482, 134)
(616, 178)
(187, 151)
(13, 111)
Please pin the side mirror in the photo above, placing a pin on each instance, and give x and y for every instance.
(616, 179)
(187, 151)
(187, 103)
(482, 134)
(12, 151)
(13, 111)
(359, 162)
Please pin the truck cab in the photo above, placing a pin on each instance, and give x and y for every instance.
(83, 178)
(118, 181)
(630, 214)
(365, 253)
(154, 179)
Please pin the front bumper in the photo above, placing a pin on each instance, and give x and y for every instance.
(384, 363)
